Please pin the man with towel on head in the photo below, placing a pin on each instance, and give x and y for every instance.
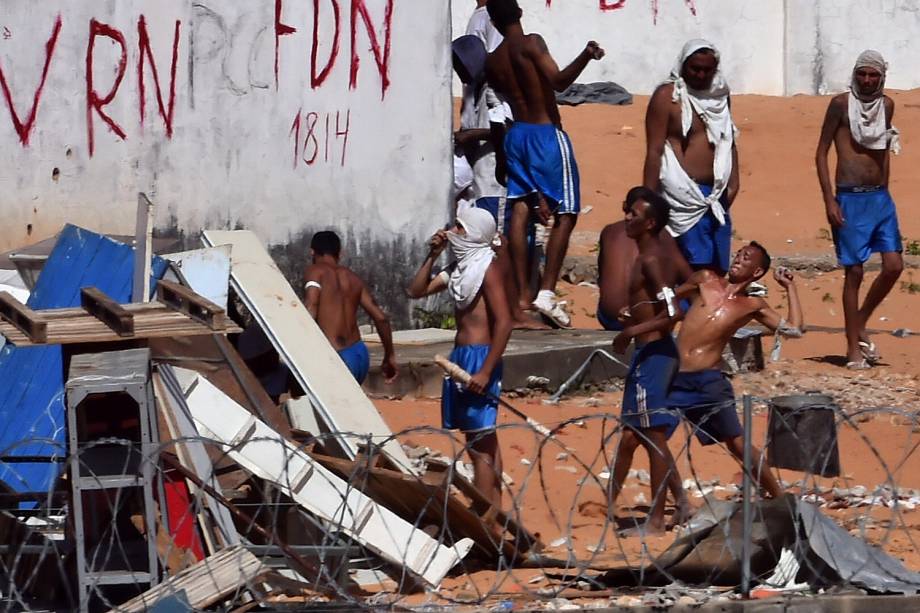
(691, 158)
(476, 282)
(862, 215)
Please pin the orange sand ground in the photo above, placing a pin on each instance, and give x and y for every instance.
(780, 206)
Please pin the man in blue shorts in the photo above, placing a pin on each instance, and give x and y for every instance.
(691, 157)
(648, 319)
(862, 215)
(332, 294)
(476, 282)
(541, 171)
(718, 308)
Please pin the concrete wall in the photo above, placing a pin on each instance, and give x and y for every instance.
(228, 113)
(777, 47)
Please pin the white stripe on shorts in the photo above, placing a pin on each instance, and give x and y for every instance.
(568, 184)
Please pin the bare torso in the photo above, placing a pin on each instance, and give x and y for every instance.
(616, 261)
(474, 323)
(643, 302)
(694, 152)
(714, 317)
(339, 300)
(857, 165)
(512, 73)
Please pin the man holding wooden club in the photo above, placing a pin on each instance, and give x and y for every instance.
(476, 282)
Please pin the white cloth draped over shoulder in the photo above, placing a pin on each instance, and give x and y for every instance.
(687, 202)
(866, 112)
(473, 254)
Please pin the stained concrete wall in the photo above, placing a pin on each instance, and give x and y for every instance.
(228, 113)
(777, 47)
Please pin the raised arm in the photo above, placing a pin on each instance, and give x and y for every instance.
(832, 119)
(795, 325)
(422, 283)
(385, 330)
(656, 132)
(561, 79)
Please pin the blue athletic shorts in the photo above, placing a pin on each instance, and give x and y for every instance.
(463, 410)
(357, 359)
(708, 243)
(645, 397)
(871, 224)
(540, 160)
(607, 322)
(706, 399)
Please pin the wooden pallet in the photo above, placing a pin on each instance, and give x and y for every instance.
(179, 312)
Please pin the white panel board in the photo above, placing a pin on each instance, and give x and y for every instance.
(266, 454)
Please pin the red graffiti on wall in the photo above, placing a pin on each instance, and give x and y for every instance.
(24, 128)
(313, 134)
(143, 51)
(316, 79)
(613, 5)
(95, 102)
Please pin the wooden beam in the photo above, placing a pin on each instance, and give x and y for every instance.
(23, 318)
(143, 249)
(182, 299)
(108, 311)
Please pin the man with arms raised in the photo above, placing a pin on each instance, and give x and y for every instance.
(649, 319)
(333, 295)
(862, 216)
(691, 157)
(475, 281)
(718, 308)
(541, 169)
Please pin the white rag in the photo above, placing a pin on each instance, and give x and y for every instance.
(687, 202)
(868, 118)
(473, 254)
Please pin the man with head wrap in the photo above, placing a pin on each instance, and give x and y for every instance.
(691, 157)
(476, 282)
(862, 215)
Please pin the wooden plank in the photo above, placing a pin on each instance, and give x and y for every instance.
(318, 369)
(205, 583)
(107, 311)
(23, 318)
(191, 451)
(143, 249)
(186, 301)
(269, 456)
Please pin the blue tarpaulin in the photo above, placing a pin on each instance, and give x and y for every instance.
(32, 420)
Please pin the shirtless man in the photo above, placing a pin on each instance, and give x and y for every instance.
(862, 216)
(719, 307)
(333, 295)
(615, 261)
(691, 157)
(476, 282)
(541, 169)
(649, 318)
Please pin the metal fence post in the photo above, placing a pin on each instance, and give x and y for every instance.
(746, 502)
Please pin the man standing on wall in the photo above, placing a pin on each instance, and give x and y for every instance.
(862, 216)
(691, 157)
(333, 295)
(541, 169)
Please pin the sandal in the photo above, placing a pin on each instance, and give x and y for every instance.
(860, 365)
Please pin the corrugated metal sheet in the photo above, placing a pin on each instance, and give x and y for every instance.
(32, 378)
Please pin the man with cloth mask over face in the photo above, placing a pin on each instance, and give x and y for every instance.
(691, 158)
(476, 282)
(862, 215)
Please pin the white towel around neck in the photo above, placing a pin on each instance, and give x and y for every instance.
(473, 254)
(866, 112)
(687, 202)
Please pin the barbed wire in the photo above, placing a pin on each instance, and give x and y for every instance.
(314, 559)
